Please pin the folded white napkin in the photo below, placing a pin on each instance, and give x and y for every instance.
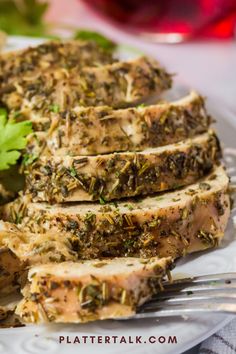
(222, 342)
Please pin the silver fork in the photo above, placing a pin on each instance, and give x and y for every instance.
(208, 293)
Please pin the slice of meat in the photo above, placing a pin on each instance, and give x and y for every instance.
(19, 250)
(31, 62)
(31, 248)
(100, 130)
(90, 290)
(8, 305)
(5, 195)
(11, 321)
(117, 84)
(7, 308)
(170, 224)
(11, 271)
(57, 179)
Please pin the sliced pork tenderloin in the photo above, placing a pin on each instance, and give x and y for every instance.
(57, 179)
(118, 84)
(170, 224)
(29, 63)
(102, 130)
(90, 290)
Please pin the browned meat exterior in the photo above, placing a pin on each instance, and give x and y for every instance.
(5, 195)
(31, 62)
(10, 320)
(57, 179)
(11, 270)
(90, 290)
(117, 84)
(7, 307)
(5, 312)
(102, 130)
(172, 224)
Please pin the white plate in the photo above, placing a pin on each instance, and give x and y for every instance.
(190, 331)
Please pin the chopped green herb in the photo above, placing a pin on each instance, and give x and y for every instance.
(28, 159)
(90, 216)
(73, 172)
(129, 243)
(144, 168)
(160, 197)
(154, 223)
(141, 105)
(18, 219)
(54, 108)
(102, 201)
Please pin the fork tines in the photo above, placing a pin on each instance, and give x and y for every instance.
(209, 293)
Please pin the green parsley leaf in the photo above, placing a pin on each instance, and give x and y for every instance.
(12, 139)
(24, 17)
(102, 41)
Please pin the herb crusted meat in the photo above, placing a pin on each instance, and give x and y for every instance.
(57, 179)
(101, 130)
(172, 224)
(31, 248)
(118, 84)
(11, 269)
(115, 190)
(29, 63)
(90, 290)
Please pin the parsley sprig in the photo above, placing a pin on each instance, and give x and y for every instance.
(87, 35)
(23, 17)
(12, 139)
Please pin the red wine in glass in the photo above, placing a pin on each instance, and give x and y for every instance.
(171, 20)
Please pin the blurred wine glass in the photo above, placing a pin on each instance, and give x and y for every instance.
(170, 20)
